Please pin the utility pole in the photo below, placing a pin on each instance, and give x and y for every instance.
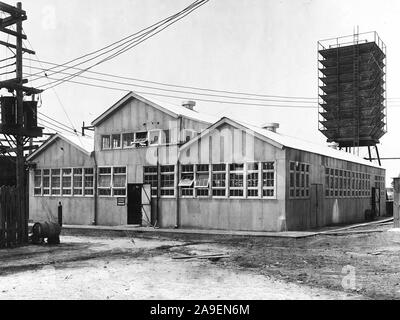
(21, 126)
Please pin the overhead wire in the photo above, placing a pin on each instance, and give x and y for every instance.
(128, 47)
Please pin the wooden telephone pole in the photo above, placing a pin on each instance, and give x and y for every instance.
(23, 127)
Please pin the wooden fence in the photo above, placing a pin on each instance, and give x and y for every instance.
(12, 224)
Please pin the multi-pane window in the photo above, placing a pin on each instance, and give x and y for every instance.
(202, 181)
(119, 181)
(187, 180)
(46, 182)
(55, 182)
(88, 181)
(253, 179)
(219, 180)
(116, 141)
(67, 182)
(37, 183)
(105, 176)
(128, 140)
(299, 186)
(151, 177)
(106, 142)
(78, 181)
(268, 175)
(64, 182)
(236, 180)
(344, 183)
(112, 181)
(168, 180)
(327, 182)
(141, 139)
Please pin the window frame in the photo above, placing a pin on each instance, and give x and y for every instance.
(167, 173)
(184, 170)
(151, 174)
(51, 183)
(34, 183)
(109, 141)
(226, 180)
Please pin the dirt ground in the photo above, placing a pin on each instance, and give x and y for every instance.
(358, 266)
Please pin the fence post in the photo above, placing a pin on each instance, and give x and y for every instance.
(396, 202)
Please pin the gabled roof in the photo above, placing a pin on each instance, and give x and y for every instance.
(84, 144)
(171, 109)
(280, 140)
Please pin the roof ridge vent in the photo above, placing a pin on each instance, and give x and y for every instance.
(271, 126)
(189, 104)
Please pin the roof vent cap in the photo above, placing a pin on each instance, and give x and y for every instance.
(271, 126)
(189, 104)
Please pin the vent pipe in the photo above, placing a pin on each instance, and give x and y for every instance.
(272, 126)
(189, 104)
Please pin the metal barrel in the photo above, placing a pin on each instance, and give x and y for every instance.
(46, 229)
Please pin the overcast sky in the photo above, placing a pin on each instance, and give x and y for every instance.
(259, 46)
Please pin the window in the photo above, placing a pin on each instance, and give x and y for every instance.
(46, 182)
(116, 141)
(151, 177)
(89, 181)
(37, 191)
(167, 180)
(78, 182)
(119, 181)
(268, 174)
(187, 180)
(299, 180)
(327, 184)
(154, 137)
(219, 180)
(105, 142)
(55, 182)
(105, 181)
(202, 181)
(128, 140)
(252, 179)
(66, 182)
(141, 139)
(236, 180)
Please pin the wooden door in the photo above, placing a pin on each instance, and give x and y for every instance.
(316, 205)
(135, 204)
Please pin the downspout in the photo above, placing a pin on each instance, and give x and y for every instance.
(158, 186)
(95, 222)
(178, 211)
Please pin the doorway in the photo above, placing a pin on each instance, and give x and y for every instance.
(135, 204)
(376, 202)
(316, 205)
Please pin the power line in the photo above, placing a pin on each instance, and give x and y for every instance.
(174, 18)
(56, 94)
(114, 43)
(54, 120)
(181, 86)
(198, 99)
(129, 47)
(184, 92)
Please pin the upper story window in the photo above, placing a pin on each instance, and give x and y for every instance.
(116, 141)
(105, 142)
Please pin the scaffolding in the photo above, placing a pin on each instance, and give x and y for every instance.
(352, 90)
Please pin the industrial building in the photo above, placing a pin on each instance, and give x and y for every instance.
(154, 163)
